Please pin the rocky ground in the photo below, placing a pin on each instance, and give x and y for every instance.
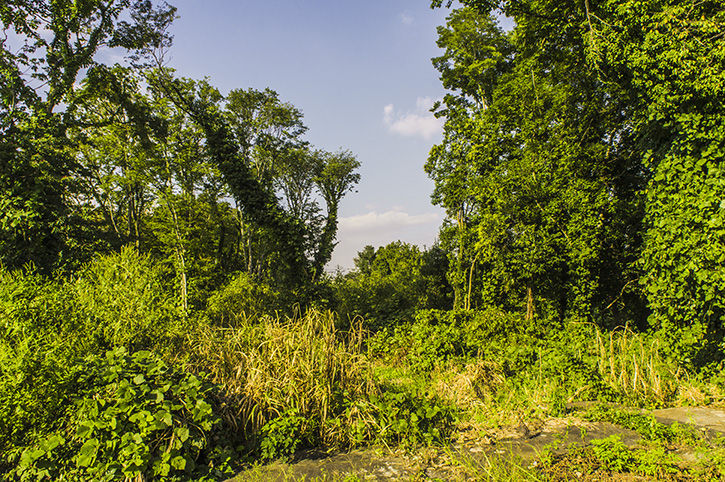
(520, 445)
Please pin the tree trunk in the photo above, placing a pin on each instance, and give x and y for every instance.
(530, 310)
(470, 283)
(459, 279)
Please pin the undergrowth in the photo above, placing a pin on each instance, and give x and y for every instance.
(102, 376)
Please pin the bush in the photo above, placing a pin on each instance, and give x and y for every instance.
(38, 344)
(281, 436)
(144, 419)
(412, 418)
(240, 299)
(438, 336)
(47, 325)
(125, 302)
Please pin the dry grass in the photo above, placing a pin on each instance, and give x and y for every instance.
(271, 365)
(635, 366)
(472, 386)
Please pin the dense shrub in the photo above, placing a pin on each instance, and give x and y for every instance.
(437, 336)
(124, 301)
(47, 325)
(243, 298)
(38, 343)
(136, 417)
(412, 418)
(579, 361)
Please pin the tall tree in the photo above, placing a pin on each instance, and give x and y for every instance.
(335, 175)
(529, 174)
(254, 141)
(669, 58)
(53, 42)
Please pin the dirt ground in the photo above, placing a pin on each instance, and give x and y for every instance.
(521, 445)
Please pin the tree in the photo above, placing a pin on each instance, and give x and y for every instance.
(668, 57)
(335, 175)
(539, 193)
(254, 142)
(57, 41)
(672, 55)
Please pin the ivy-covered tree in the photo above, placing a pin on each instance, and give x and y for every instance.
(148, 176)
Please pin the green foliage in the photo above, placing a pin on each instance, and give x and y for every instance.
(242, 298)
(125, 301)
(145, 419)
(614, 456)
(47, 325)
(609, 457)
(681, 86)
(281, 436)
(594, 134)
(644, 424)
(412, 418)
(37, 223)
(253, 141)
(390, 283)
(539, 198)
(38, 341)
(437, 336)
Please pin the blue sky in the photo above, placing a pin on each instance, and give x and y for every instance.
(361, 74)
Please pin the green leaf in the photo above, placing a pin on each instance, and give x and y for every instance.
(87, 453)
(85, 429)
(178, 462)
(182, 433)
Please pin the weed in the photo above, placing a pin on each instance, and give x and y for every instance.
(144, 420)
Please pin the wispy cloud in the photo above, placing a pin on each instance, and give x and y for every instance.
(406, 19)
(420, 122)
(388, 220)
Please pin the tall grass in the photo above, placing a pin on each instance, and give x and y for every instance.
(270, 365)
(635, 366)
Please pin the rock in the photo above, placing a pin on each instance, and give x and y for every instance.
(522, 445)
(708, 419)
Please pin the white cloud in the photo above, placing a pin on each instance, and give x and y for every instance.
(421, 122)
(111, 56)
(388, 220)
(406, 19)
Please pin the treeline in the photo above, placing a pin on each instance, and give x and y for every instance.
(581, 165)
(210, 185)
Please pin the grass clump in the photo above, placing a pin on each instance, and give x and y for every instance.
(300, 369)
(300, 381)
(635, 366)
